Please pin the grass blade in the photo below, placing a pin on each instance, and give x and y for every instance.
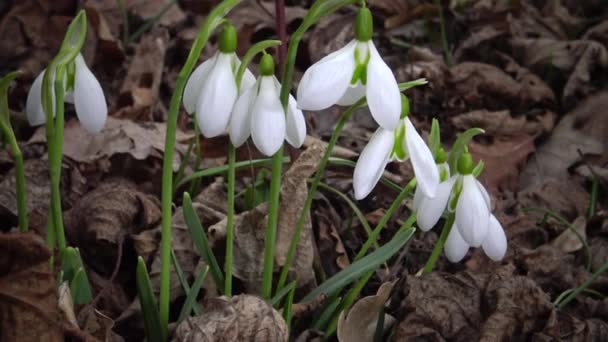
(200, 241)
(182, 280)
(154, 332)
(191, 298)
(362, 266)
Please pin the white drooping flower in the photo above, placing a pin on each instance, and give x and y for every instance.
(354, 71)
(86, 95)
(258, 113)
(211, 90)
(474, 225)
(385, 145)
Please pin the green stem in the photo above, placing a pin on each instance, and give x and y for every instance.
(213, 21)
(384, 220)
(271, 228)
(55, 159)
(230, 220)
(581, 288)
(445, 231)
(444, 37)
(19, 174)
(312, 191)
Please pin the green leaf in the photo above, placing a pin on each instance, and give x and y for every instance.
(411, 84)
(74, 39)
(200, 240)
(364, 265)
(287, 309)
(79, 286)
(73, 272)
(192, 295)
(182, 280)
(5, 82)
(461, 142)
(434, 137)
(149, 307)
(281, 293)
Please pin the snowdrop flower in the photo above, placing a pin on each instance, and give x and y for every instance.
(85, 93)
(354, 71)
(258, 112)
(400, 144)
(211, 90)
(474, 225)
(494, 245)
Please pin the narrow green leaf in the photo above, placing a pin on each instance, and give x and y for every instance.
(182, 280)
(281, 293)
(80, 288)
(461, 142)
(192, 295)
(327, 313)
(200, 240)
(434, 137)
(149, 307)
(411, 84)
(364, 265)
(287, 309)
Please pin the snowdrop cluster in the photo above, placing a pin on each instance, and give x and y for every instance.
(253, 110)
(85, 93)
(462, 194)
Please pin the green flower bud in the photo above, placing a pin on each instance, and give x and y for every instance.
(228, 39)
(405, 106)
(364, 25)
(441, 156)
(267, 65)
(465, 163)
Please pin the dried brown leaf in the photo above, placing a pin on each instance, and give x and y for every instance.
(29, 308)
(139, 92)
(359, 324)
(139, 139)
(240, 318)
(568, 241)
(101, 220)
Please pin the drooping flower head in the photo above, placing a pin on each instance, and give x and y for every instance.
(211, 90)
(400, 144)
(258, 112)
(356, 70)
(474, 225)
(81, 88)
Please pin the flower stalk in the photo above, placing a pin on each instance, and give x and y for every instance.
(445, 232)
(213, 21)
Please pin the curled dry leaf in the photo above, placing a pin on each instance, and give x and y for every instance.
(29, 308)
(65, 303)
(568, 241)
(504, 159)
(140, 140)
(502, 122)
(514, 307)
(139, 92)
(101, 220)
(583, 130)
(579, 60)
(359, 324)
(564, 197)
(151, 8)
(240, 318)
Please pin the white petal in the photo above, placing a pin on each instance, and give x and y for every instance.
(455, 247)
(431, 209)
(194, 85)
(240, 121)
(218, 95)
(33, 105)
(484, 193)
(352, 95)
(248, 81)
(324, 83)
(372, 161)
(89, 99)
(296, 125)
(422, 159)
(418, 199)
(472, 214)
(495, 244)
(383, 96)
(268, 118)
